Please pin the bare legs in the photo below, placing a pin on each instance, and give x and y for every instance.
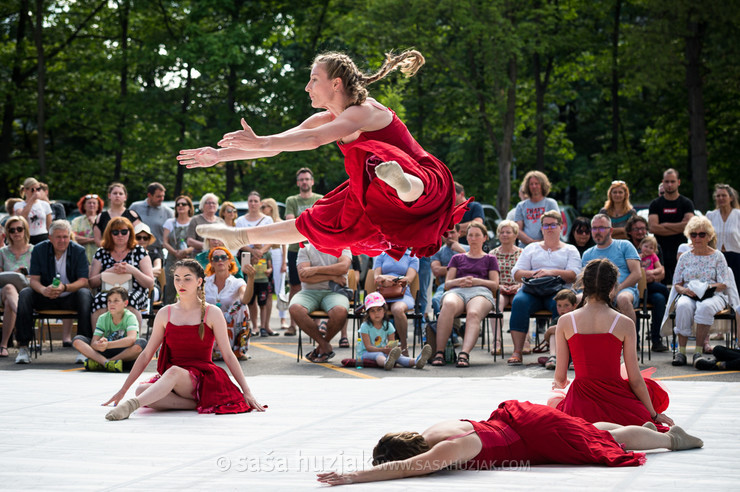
(398, 310)
(643, 438)
(10, 301)
(130, 353)
(337, 319)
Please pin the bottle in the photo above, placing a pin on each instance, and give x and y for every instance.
(57, 281)
(449, 352)
(181, 244)
(358, 358)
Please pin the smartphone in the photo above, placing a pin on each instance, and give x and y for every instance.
(246, 258)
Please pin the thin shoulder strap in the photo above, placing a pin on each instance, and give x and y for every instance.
(614, 323)
(451, 438)
(573, 320)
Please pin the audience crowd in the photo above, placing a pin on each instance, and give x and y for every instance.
(46, 262)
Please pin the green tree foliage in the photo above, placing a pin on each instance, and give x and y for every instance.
(587, 91)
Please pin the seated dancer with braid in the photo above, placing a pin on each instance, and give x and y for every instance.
(397, 196)
(516, 431)
(187, 378)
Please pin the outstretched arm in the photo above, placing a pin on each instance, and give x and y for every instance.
(304, 137)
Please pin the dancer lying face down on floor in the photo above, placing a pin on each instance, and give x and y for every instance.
(397, 197)
(187, 378)
(516, 432)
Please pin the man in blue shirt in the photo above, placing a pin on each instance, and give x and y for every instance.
(624, 255)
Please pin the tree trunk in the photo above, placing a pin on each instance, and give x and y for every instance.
(615, 83)
(697, 123)
(505, 156)
(41, 88)
(16, 78)
(540, 87)
(183, 128)
(123, 8)
(231, 104)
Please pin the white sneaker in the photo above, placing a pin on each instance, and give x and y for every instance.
(80, 359)
(24, 357)
(391, 358)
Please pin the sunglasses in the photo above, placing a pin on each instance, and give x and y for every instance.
(230, 211)
(91, 197)
(549, 227)
(219, 258)
(698, 234)
(122, 232)
(618, 182)
(13, 230)
(582, 231)
(33, 189)
(182, 204)
(142, 237)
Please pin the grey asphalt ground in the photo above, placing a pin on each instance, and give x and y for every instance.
(277, 356)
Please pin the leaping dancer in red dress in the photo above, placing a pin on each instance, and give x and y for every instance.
(397, 196)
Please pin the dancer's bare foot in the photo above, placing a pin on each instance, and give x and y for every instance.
(123, 410)
(232, 238)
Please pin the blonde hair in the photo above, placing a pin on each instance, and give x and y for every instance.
(696, 223)
(22, 221)
(651, 241)
(275, 213)
(507, 223)
(339, 65)
(609, 205)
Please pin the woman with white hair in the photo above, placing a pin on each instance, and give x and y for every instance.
(704, 285)
(208, 215)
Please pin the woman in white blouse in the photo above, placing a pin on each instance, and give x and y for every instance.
(548, 257)
(223, 289)
(726, 222)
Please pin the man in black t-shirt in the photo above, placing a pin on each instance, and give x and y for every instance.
(668, 217)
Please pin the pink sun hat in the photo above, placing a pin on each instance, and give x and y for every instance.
(374, 299)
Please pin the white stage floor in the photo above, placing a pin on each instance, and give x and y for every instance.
(55, 437)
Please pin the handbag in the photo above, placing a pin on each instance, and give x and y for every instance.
(16, 279)
(340, 289)
(283, 295)
(393, 291)
(546, 286)
(110, 280)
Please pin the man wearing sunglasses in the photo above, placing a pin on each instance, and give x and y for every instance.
(624, 255)
(668, 217)
(152, 212)
(54, 261)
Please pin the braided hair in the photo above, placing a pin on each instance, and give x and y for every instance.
(197, 269)
(598, 280)
(397, 446)
(339, 65)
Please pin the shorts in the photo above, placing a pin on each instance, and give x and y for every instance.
(324, 300)
(261, 291)
(635, 295)
(467, 293)
(110, 353)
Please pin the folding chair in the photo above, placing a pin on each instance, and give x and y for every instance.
(44, 317)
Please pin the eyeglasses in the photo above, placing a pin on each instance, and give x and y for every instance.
(91, 197)
(210, 203)
(13, 230)
(181, 204)
(618, 182)
(142, 237)
(549, 227)
(639, 229)
(600, 229)
(122, 232)
(219, 258)
(698, 234)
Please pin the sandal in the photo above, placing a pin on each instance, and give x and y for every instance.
(438, 359)
(463, 360)
(4, 352)
(344, 342)
(515, 359)
(317, 357)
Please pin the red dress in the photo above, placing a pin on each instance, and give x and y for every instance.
(213, 390)
(538, 434)
(599, 393)
(366, 215)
